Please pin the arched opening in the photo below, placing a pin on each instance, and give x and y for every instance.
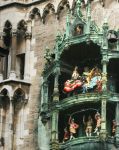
(18, 118)
(35, 13)
(36, 16)
(7, 42)
(113, 75)
(50, 88)
(4, 115)
(48, 13)
(63, 7)
(21, 46)
(7, 30)
(111, 117)
(85, 56)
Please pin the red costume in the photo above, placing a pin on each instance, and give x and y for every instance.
(66, 135)
(72, 127)
(71, 85)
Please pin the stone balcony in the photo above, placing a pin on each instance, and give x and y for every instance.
(87, 143)
(85, 98)
(12, 84)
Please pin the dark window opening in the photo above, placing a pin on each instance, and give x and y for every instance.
(112, 40)
(113, 75)
(50, 88)
(5, 67)
(111, 107)
(21, 65)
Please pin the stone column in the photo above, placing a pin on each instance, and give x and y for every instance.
(11, 113)
(45, 96)
(1, 58)
(54, 133)
(1, 69)
(27, 54)
(103, 132)
(2, 34)
(55, 113)
(117, 128)
(22, 116)
(56, 89)
(13, 54)
(104, 72)
(1, 120)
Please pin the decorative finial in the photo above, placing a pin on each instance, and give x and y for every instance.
(47, 55)
(88, 9)
(67, 25)
(78, 8)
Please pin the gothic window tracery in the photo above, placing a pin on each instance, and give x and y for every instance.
(48, 10)
(19, 103)
(62, 8)
(4, 115)
(35, 13)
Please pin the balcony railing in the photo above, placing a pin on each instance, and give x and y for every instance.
(85, 143)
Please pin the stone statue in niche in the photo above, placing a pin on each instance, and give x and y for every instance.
(78, 30)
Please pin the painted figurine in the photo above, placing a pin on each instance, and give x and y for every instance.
(93, 80)
(75, 74)
(98, 123)
(74, 83)
(114, 125)
(66, 135)
(72, 128)
(78, 30)
(88, 124)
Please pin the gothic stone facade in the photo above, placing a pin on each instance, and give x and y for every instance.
(27, 27)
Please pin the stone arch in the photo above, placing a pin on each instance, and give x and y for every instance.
(5, 102)
(7, 25)
(22, 25)
(9, 89)
(19, 98)
(63, 5)
(4, 115)
(19, 108)
(7, 30)
(21, 47)
(4, 92)
(35, 12)
(19, 95)
(49, 9)
(21, 29)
